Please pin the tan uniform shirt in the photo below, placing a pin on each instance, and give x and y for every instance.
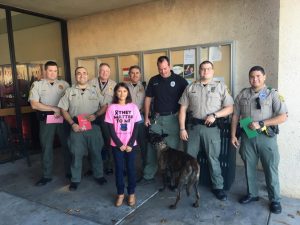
(270, 101)
(107, 90)
(77, 101)
(137, 94)
(204, 100)
(42, 91)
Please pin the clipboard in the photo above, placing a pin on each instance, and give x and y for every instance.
(244, 123)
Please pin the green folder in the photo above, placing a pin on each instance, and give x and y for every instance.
(244, 123)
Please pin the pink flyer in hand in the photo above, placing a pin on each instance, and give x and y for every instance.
(53, 119)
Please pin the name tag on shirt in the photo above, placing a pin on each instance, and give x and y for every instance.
(53, 119)
(83, 123)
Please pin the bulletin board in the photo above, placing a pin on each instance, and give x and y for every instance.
(184, 60)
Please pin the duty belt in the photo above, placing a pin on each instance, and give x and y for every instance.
(196, 121)
(164, 113)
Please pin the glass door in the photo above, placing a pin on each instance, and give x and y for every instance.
(8, 125)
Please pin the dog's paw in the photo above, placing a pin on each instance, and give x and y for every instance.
(172, 207)
(196, 205)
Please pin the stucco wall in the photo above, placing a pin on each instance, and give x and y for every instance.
(288, 84)
(171, 23)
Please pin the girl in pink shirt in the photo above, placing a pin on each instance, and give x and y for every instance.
(122, 117)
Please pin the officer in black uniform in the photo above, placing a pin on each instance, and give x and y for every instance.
(166, 89)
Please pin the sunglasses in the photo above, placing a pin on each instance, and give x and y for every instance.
(257, 100)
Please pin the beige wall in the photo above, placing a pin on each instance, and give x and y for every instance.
(288, 84)
(163, 24)
(254, 25)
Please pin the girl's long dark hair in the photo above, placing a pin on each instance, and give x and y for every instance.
(115, 97)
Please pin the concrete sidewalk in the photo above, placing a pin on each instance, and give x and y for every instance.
(23, 203)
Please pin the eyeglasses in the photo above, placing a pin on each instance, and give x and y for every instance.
(257, 100)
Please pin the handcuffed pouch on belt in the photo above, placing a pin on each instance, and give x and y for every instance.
(271, 131)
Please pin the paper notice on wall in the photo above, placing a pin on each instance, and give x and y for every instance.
(189, 56)
(178, 69)
(215, 54)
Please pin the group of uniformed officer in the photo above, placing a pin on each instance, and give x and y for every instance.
(171, 98)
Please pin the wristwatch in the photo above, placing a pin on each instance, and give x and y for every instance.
(214, 115)
(261, 124)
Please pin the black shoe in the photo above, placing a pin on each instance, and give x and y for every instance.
(220, 194)
(73, 186)
(108, 171)
(144, 181)
(275, 207)
(43, 181)
(101, 180)
(247, 199)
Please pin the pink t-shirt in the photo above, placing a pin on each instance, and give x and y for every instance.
(123, 117)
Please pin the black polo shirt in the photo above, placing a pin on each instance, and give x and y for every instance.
(166, 92)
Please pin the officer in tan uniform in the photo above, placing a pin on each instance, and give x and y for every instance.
(267, 109)
(82, 98)
(106, 87)
(207, 100)
(137, 92)
(44, 96)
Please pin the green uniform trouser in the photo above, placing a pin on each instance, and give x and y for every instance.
(266, 149)
(80, 144)
(47, 134)
(203, 138)
(167, 125)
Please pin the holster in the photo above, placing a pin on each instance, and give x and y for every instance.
(271, 131)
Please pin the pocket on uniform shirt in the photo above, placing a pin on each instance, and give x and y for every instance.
(194, 101)
(244, 104)
(266, 108)
(93, 98)
(213, 99)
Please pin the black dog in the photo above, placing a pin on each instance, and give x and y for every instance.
(177, 167)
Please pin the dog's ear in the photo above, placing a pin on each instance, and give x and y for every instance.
(152, 137)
